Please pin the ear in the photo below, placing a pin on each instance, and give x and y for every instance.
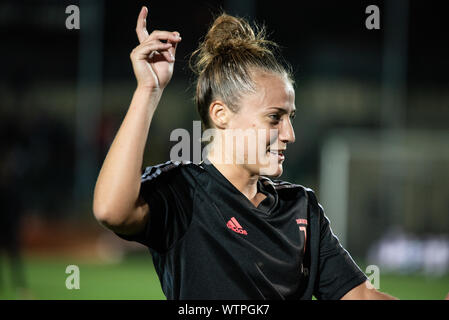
(219, 114)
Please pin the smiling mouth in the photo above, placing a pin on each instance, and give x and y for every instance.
(279, 153)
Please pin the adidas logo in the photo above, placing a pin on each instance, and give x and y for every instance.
(235, 226)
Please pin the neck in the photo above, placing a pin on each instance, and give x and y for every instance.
(241, 178)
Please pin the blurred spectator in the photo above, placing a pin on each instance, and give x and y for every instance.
(406, 253)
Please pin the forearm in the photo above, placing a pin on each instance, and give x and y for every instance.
(118, 184)
(373, 294)
(366, 291)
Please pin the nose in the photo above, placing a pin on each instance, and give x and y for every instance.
(286, 132)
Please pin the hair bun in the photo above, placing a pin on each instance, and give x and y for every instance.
(230, 36)
(228, 33)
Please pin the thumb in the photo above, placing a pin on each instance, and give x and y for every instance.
(447, 297)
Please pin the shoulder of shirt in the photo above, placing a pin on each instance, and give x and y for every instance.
(152, 172)
(280, 184)
(291, 188)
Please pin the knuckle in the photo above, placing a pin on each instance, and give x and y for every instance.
(156, 33)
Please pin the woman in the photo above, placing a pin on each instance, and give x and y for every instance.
(220, 229)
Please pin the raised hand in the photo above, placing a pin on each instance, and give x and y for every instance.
(153, 59)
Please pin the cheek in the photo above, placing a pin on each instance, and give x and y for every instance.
(265, 134)
(272, 137)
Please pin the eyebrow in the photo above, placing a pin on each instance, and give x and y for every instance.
(282, 110)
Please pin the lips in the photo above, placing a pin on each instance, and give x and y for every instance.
(281, 152)
(274, 151)
(278, 153)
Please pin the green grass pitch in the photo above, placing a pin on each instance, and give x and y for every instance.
(135, 278)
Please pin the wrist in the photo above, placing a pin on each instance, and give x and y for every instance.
(152, 94)
(152, 91)
(148, 97)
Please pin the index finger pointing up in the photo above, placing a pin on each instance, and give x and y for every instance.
(141, 28)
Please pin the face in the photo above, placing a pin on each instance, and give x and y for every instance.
(267, 114)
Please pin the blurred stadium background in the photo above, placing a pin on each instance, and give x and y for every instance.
(372, 134)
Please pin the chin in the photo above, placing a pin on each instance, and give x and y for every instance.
(278, 172)
(274, 172)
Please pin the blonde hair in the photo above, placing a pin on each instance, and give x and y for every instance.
(226, 60)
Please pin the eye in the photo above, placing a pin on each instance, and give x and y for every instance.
(293, 116)
(275, 117)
